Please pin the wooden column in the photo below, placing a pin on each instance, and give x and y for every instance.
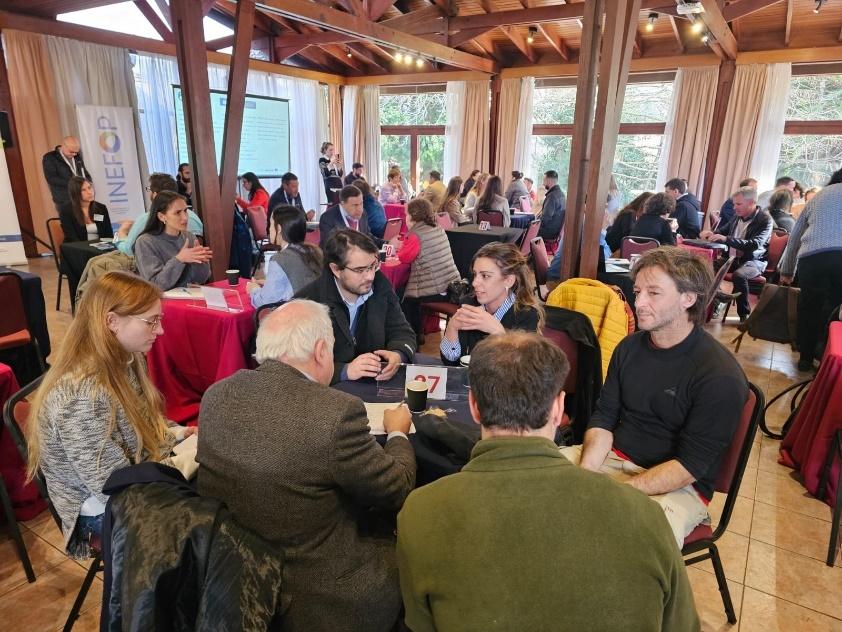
(13, 159)
(581, 142)
(494, 124)
(193, 71)
(727, 69)
(235, 104)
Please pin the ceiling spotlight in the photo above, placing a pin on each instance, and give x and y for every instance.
(419, 62)
(818, 6)
(705, 37)
(408, 59)
(698, 26)
(348, 53)
(650, 25)
(532, 32)
(399, 57)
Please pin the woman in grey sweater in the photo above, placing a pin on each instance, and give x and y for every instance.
(166, 253)
(492, 200)
(96, 410)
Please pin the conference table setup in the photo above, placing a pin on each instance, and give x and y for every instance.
(522, 220)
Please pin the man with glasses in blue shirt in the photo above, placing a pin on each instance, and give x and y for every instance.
(372, 336)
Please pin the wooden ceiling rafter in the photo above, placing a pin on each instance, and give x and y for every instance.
(556, 43)
(722, 41)
(737, 10)
(788, 28)
(677, 33)
(520, 42)
(161, 28)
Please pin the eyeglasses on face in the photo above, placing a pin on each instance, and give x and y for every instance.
(153, 322)
(374, 267)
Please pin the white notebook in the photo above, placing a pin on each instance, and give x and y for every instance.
(375, 417)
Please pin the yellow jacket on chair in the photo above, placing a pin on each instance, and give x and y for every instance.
(601, 305)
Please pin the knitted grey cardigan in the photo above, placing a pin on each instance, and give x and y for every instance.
(75, 458)
(818, 229)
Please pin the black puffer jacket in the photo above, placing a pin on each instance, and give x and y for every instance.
(176, 561)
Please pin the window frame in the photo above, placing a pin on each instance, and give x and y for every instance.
(414, 132)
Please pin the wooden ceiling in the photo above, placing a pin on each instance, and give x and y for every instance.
(362, 37)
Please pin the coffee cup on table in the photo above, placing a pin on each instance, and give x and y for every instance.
(233, 277)
(416, 396)
(465, 360)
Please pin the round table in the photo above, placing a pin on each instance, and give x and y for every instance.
(396, 272)
(522, 220)
(75, 256)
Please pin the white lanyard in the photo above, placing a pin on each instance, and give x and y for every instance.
(70, 163)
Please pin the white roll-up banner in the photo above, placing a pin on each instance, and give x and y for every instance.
(11, 243)
(107, 137)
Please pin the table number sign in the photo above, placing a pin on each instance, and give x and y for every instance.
(435, 376)
(485, 225)
(389, 249)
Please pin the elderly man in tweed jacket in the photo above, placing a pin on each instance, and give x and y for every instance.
(296, 463)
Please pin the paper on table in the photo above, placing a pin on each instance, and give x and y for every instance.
(190, 443)
(375, 417)
(184, 292)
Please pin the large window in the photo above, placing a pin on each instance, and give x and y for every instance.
(812, 145)
(412, 133)
(645, 110)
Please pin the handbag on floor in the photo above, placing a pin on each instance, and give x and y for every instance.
(775, 318)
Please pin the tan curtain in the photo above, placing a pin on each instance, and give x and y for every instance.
(366, 131)
(514, 126)
(738, 131)
(335, 116)
(688, 128)
(475, 144)
(36, 116)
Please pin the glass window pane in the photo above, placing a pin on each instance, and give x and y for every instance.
(430, 155)
(815, 98)
(413, 109)
(394, 150)
(636, 163)
(553, 105)
(551, 152)
(810, 159)
(647, 102)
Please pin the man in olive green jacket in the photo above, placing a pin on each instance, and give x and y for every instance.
(521, 539)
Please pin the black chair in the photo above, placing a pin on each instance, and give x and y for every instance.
(835, 450)
(494, 218)
(14, 326)
(333, 185)
(16, 409)
(56, 233)
(540, 266)
(728, 480)
(14, 528)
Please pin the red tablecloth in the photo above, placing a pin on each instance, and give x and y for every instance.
(811, 434)
(708, 254)
(396, 210)
(199, 347)
(26, 501)
(396, 272)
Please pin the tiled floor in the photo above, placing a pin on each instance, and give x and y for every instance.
(773, 552)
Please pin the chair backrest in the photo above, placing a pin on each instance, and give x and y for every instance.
(56, 235)
(732, 464)
(13, 315)
(444, 221)
(525, 204)
(570, 349)
(393, 228)
(333, 185)
(777, 245)
(637, 246)
(257, 220)
(495, 218)
(540, 261)
(717, 281)
(313, 236)
(530, 234)
(15, 415)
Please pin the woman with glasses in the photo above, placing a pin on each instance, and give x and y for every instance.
(503, 299)
(96, 410)
(166, 253)
(294, 266)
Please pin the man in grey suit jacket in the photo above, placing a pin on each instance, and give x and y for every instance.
(295, 462)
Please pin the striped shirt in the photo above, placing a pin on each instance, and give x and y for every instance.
(452, 350)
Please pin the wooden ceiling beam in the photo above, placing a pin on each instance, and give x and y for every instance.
(361, 52)
(718, 28)
(535, 15)
(333, 20)
(289, 39)
(164, 8)
(155, 20)
(788, 29)
(743, 8)
(520, 42)
(557, 43)
(221, 42)
(677, 33)
(376, 8)
(427, 20)
(462, 37)
(207, 5)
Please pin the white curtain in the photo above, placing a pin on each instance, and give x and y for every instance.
(687, 132)
(514, 125)
(155, 77)
(349, 111)
(370, 115)
(455, 104)
(770, 127)
(93, 74)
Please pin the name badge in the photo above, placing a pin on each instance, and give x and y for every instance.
(485, 225)
(435, 376)
(98, 217)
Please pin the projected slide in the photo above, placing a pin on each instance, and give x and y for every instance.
(264, 145)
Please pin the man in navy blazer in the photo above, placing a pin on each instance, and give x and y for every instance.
(687, 208)
(349, 213)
